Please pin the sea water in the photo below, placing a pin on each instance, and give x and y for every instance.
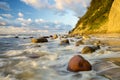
(16, 64)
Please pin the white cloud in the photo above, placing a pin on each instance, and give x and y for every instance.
(19, 30)
(11, 29)
(25, 22)
(1, 17)
(46, 27)
(56, 22)
(29, 20)
(7, 15)
(20, 14)
(44, 24)
(4, 6)
(37, 3)
(2, 23)
(77, 6)
(38, 24)
(39, 20)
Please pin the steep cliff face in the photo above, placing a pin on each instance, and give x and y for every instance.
(114, 17)
(102, 16)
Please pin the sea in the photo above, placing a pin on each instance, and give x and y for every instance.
(17, 63)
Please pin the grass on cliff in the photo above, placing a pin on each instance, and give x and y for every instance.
(96, 14)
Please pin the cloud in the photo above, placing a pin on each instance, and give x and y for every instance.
(39, 20)
(44, 24)
(20, 14)
(79, 7)
(2, 23)
(37, 3)
(7, 15)
(4, 6)
(19, 30)
(28, 25)
(1, 17)
(24, 22)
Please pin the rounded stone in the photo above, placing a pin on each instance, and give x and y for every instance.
(55, 36)
(89, 49)
(78, 63)
(80, 42)
(39, 40)
(64, 42)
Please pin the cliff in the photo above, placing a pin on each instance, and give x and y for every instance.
(101, 17)
(114, 17)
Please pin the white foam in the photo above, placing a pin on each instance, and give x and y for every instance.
(53, 60)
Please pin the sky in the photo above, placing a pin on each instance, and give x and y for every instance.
(40, 15)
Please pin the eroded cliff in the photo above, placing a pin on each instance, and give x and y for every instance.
(101, 17)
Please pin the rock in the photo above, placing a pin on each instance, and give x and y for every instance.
(63, 36)
(51, 36)
(25, 75)
(31, 37)
(89, 49)
(24, 38)
(40, 40)
(34, 56)
(16, 37)
(33, 40)
(45, 36)
(55, 36)
(78, 63)
(64, 42)
(80, 42)
(37, 46)
(97, 42)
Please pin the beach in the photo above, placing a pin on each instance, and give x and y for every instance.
(20, 59)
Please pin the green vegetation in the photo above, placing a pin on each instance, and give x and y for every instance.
(96, 15)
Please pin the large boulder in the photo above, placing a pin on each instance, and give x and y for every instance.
(39, 40)
(64, 42)
(89, 49)
(16, 37)
(55, 36)
(80, 42)
(78, 63)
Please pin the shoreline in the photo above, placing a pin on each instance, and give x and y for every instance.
(108, 35)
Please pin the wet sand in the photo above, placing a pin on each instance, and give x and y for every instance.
(113, 60)
(109, 67)
(111, 40)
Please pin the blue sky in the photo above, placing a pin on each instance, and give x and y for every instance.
(40, 14)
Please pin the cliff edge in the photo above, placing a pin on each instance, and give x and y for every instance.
(102, 16)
